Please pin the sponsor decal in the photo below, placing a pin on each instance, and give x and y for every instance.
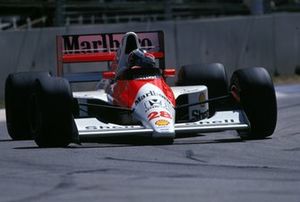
(198, 115)
(74, 44)
(155, 103)
(202, 112)
(162, 122)
(202, 98)
(150, 93)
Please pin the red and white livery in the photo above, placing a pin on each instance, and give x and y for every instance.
(134, 99)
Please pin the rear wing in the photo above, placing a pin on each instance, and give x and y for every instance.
(101, 48)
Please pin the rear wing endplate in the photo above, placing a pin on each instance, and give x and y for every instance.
(101, 48)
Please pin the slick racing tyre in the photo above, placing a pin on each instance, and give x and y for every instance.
(213, 76)
(18, 88)
(255, 90)
(52, 121)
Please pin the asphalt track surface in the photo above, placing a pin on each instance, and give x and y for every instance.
(211, 167)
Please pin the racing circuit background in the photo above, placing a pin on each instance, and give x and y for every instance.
(211, 167)
(271, 41)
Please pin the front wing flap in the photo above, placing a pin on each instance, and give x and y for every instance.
(222, 120)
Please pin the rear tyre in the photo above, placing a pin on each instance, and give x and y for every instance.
(18, 88)
(255, 89)
(211, 75)
(52, 121)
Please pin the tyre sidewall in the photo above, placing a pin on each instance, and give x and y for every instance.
(258, 100)
(54, 111)
(18, 89)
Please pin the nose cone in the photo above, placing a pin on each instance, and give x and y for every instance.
(159, 119)
(155, 111)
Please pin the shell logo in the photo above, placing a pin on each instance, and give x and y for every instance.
(162, 123)
(202, 98)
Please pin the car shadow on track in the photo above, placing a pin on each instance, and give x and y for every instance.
(215, 141)
(6, 140)
(149, 142)
(142, 141)
(138, 140)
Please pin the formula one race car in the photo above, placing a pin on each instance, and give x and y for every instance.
(132, 98)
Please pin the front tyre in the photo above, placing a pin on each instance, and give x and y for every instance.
(52, 121)
(255, 91)
(18, 89)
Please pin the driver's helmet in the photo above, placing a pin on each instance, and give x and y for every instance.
(141, 58)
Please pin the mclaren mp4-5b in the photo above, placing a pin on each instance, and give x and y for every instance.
(131, 96)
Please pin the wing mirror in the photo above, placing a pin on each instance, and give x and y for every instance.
(169, 72)
(108, 75)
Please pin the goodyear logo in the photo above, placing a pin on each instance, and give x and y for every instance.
(162, 123)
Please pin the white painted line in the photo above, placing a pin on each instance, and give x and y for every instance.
(281, 95)
(2, 115)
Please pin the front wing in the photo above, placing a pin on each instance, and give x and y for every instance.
(223, 120)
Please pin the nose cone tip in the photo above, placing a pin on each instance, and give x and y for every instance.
(157, 134)
(163, 129)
